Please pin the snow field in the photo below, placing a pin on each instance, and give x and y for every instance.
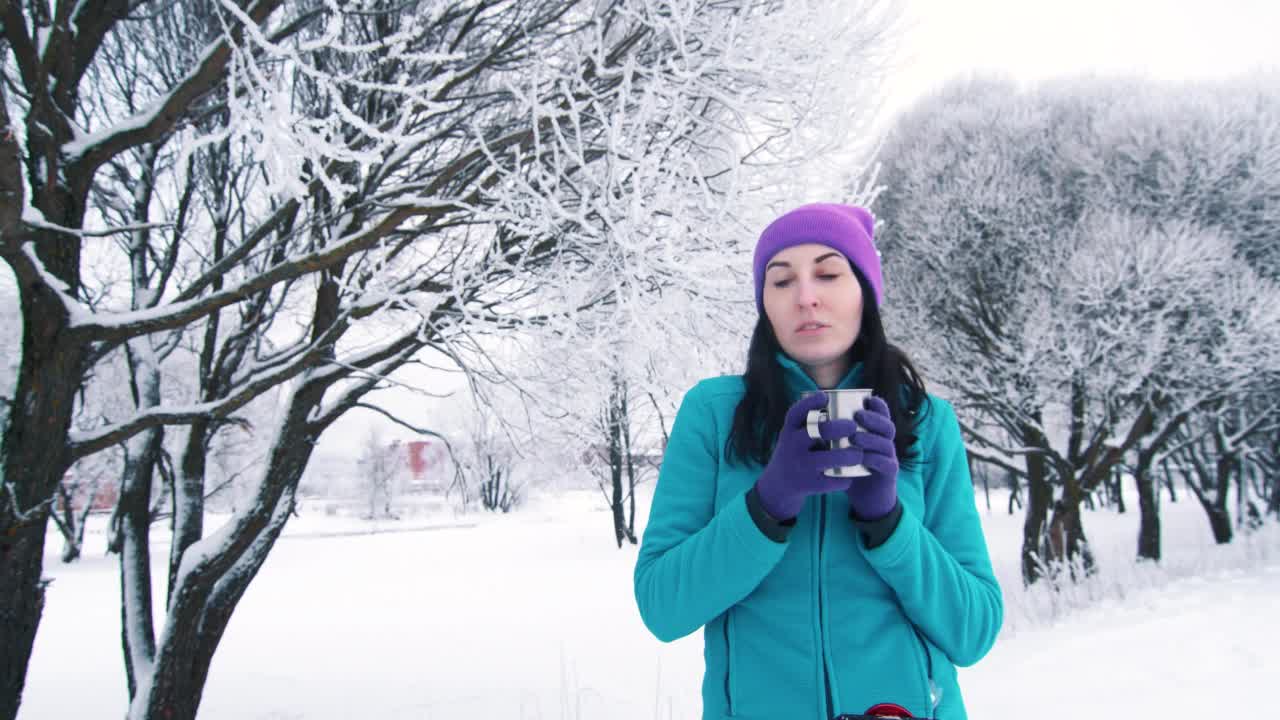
(531, 616)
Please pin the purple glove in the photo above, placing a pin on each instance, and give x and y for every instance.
(873, 496)
(795, 470)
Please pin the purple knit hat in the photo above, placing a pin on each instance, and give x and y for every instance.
(847, 228)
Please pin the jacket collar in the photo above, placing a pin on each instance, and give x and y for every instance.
(799, 382)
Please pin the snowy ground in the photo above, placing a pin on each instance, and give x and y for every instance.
(531, 615)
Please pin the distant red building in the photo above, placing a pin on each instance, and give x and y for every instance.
(427, 461)
(103, 499)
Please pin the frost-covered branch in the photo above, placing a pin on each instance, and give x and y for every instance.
(1005, 450)
(39, 222)
(245, 390)
(89, 152)
(996, 460)
(116, 326)
(377, 366)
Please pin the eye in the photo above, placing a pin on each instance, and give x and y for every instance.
(828, 276)
(782, 283)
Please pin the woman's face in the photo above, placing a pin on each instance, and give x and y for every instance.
(814, 304)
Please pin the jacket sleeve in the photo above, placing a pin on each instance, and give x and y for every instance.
(938, 565)
(694, 563)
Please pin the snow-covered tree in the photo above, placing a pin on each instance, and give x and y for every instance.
(382, 464)
(88, 483)
(1213, 454)
(623, 389)
(489, 463)
(429, 167)
(1086, 320)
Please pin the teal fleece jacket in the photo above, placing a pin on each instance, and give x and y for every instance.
(816, 624)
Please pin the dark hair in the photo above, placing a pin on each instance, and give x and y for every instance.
(886, 370)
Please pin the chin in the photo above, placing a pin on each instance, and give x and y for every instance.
(829, 349)
(815, 357)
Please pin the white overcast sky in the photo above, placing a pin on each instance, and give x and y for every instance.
(1030, 40)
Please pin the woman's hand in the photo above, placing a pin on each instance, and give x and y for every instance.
(795, 471)
(874, 496)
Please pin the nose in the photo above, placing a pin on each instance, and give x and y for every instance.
(806, 294)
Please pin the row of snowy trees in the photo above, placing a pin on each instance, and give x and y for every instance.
(1090, 269)
(231, 218)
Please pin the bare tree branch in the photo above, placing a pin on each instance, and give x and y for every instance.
(154, 123)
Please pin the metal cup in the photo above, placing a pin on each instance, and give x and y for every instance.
(841, 404)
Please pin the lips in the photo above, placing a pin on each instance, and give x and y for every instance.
(811, 327)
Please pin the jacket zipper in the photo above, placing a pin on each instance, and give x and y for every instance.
(931, 688)
(728, 666)
(822, 621)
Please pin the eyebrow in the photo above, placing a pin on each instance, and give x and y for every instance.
(784, 263)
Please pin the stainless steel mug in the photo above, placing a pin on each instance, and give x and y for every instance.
(841, 404)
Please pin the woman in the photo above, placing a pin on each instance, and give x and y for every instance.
(820, 596)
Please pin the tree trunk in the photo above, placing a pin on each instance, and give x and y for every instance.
(1015, 491)
(614, 418)
(188, 499)
(34, 457)
(1273, 497)
(631, 518)
(1242, 497)
(986, 485)
(182, 666)
(1219, 515)
(630, 527)
(23, 599)
(1215, 507)
(615, 476)
(1148, 510)
(1039, 497)
(214, 579)
(33, 450)
(1219, 524)
(1078, 552)
(70, 551)
(631, 497)
(132, 540)
(70, 520)
(131, 522)
(1077, 491)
